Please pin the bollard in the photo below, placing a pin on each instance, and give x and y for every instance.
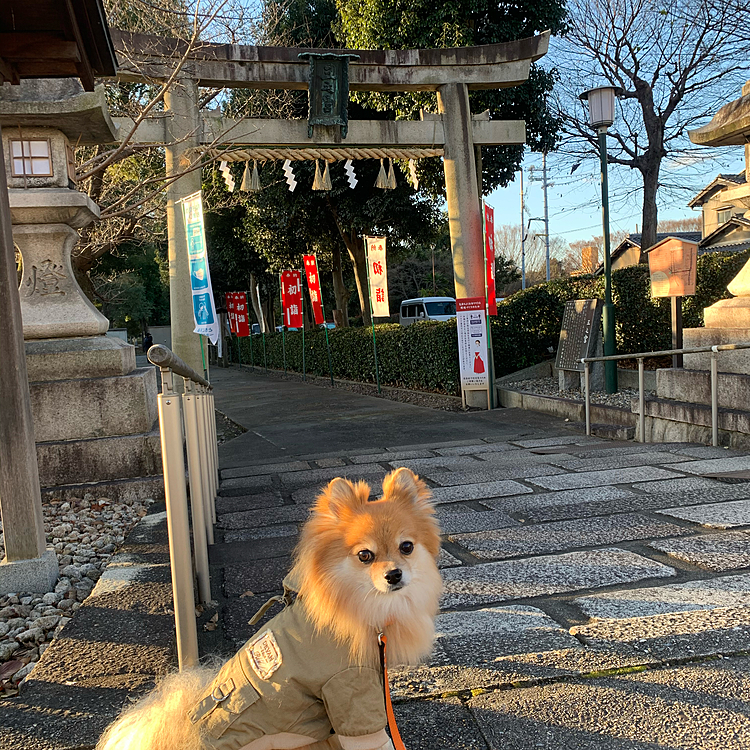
(170, 424)
(714, 397)
(203, 443)
(197, 501)
(586, 376)
(641, 400)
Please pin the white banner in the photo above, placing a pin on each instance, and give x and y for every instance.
(472, 342)
(204, 309)
(378, 275)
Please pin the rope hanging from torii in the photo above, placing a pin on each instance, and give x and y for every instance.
(385, 180)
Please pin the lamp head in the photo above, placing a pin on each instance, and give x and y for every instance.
(601, 101)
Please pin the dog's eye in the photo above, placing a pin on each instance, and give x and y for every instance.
(366, 556)
(406, 548)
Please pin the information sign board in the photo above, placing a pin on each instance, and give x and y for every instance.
(471, 323)
(580, 323)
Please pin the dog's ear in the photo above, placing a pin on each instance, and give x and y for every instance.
(403, 484)
(341, 497)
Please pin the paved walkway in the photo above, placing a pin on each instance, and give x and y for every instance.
(597, 594)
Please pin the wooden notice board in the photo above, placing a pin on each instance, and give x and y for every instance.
(672, 266)
(577, 335)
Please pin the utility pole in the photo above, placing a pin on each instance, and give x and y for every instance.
(523, 239)
(545, 218)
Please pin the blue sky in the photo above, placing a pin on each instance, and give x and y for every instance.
(575, 200)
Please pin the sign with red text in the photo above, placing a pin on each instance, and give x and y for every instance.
(239, 318)
(291, 298)
(489, 248)
(313, 286)
(378, 273)
(472, 343)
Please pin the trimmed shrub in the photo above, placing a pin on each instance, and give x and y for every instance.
(526, 330)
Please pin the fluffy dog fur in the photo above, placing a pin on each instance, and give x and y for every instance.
(340, 593)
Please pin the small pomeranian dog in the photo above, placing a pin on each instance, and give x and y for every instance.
(312, 677)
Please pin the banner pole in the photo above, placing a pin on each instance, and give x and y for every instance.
(325, 328)
(252, 356)
(283, 321)
(372, 317)
(239, 352)
(302, 296)
(490, 353)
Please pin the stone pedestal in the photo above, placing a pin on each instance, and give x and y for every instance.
(94, 418)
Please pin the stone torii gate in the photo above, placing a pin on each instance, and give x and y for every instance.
(450, 73)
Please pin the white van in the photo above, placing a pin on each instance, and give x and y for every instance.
(426, 308)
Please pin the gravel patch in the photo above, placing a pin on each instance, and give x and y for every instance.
(551, 387)
(84, 534)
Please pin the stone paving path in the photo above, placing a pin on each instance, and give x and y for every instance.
(595, 597)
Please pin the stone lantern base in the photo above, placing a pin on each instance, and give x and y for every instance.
(95, 419)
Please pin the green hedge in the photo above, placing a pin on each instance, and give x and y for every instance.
(424, 356)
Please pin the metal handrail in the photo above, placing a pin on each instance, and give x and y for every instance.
(640, 356)
(165, 358)
(190, 416)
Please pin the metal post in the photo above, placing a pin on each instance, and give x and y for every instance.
(302, 297)
(641, 400)
(586, 374)
(608, 316)
(676, 306)
(283, 319)
(203, 447)
(523, 239)
(177, 523)
(197, 501)
(546, 213)
(714, 397)
(214, 445)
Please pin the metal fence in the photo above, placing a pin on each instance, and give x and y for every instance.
(640, 357)
(187, 416)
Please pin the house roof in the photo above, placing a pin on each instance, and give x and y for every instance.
(719, 182)
(721, 237)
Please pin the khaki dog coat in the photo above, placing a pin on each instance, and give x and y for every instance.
(290, 686)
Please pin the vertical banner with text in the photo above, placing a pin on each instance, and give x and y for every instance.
(378, 275)
(291, 298)
(313, 286)
(231, 311)
(472, 343)
(204, 309)
(241, 314)
(489, 247)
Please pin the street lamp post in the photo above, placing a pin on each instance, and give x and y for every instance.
(601, 103)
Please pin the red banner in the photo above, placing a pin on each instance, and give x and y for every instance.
(239, 320)
(489, 239)
(291, 298)
(313, 285)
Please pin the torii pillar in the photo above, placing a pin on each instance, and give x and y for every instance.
(182, 133)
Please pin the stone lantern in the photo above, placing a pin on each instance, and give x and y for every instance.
(94, 410)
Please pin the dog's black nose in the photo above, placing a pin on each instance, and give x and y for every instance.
(393, 576)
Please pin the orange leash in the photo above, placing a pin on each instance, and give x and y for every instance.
(395, 736)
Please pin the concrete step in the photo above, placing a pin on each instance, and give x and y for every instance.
(67, 461)
(613, 431)
(694, 386)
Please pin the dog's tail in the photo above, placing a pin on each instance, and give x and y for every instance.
(159, 721)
